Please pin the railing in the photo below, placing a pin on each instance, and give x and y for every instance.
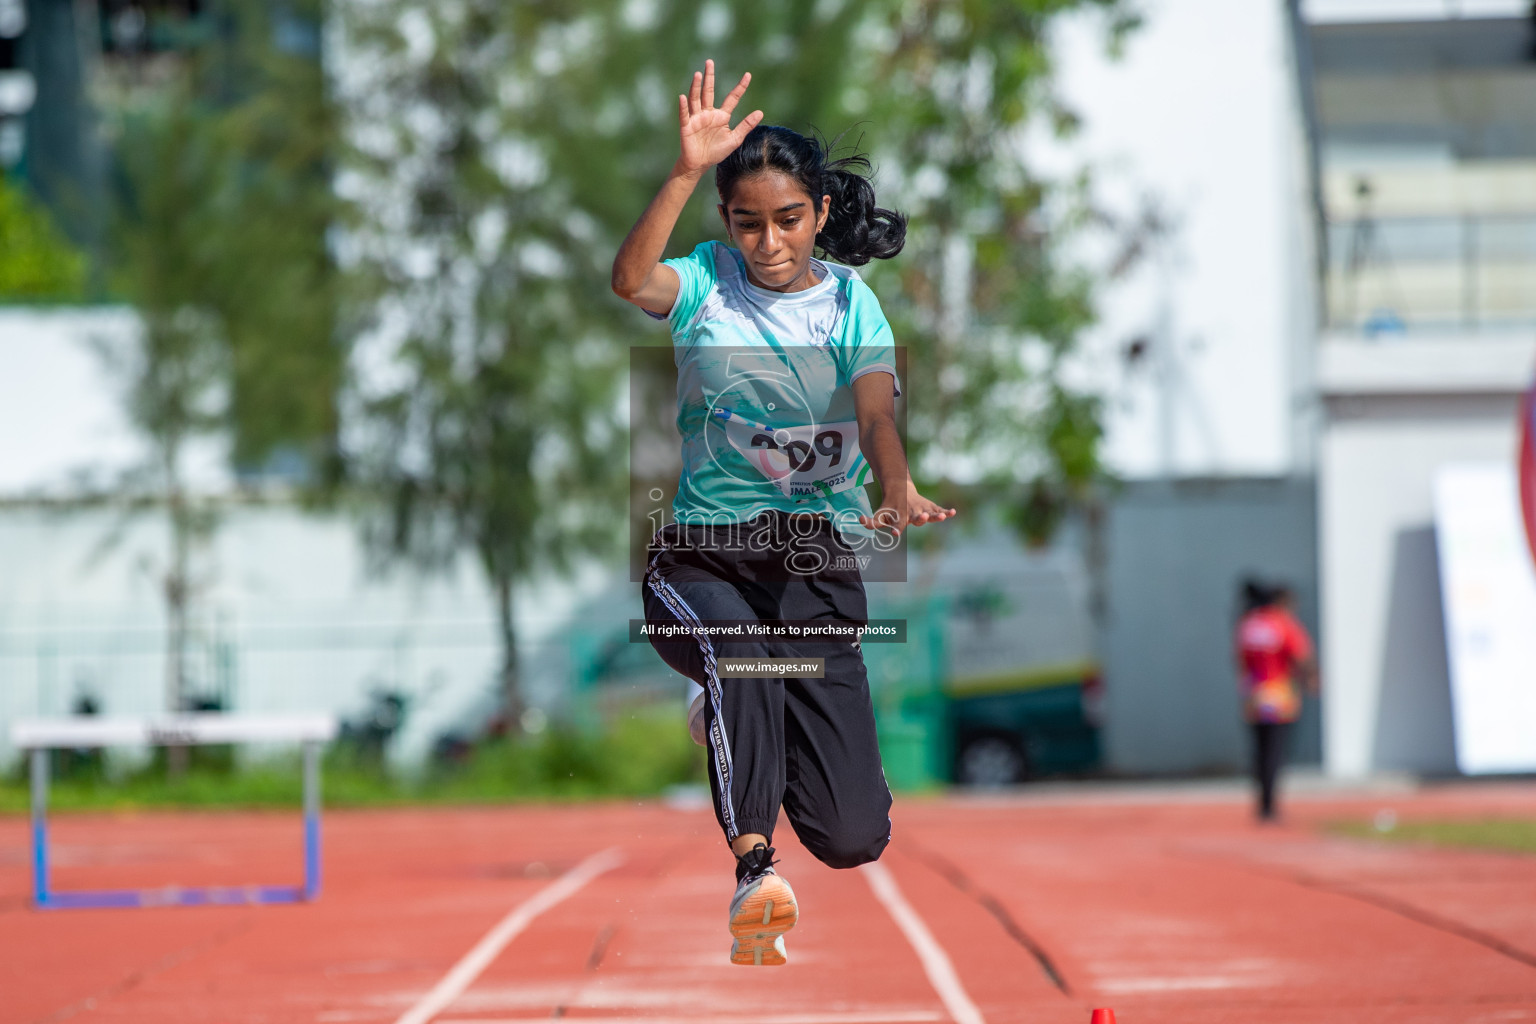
(1390, 275)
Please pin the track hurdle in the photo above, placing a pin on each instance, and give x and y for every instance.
(38, 736)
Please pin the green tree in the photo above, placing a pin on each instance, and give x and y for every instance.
(220, 217)
(492, 426)
(37, 263)
(989, 305)
(501, 151)
(942, 93)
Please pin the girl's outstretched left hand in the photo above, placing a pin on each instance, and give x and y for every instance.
(911, 509)
(921, 510)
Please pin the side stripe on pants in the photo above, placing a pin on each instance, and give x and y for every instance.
(722, 748)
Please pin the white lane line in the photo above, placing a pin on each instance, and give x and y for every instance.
(508, 928)
(936, 963)
(854, 1017)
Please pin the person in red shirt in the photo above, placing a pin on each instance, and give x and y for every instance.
(1274, 654)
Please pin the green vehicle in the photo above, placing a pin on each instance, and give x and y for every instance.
(1012, 726)
(996, 684)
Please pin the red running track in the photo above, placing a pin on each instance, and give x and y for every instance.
(1166, 904)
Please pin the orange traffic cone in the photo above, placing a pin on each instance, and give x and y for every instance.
(1103, 1017)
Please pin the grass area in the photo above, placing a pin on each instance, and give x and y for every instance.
(1511, 835)
(635, 755)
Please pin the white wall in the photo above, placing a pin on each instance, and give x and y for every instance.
(1324, 11)
(1200, 117)
(1178, 553)
(64, 375)
(1396, 411)
(287, 595)
(287, 598)
(62, 416)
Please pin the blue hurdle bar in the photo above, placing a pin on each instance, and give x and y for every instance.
(45, 898)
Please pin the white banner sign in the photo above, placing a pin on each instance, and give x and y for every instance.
(1488, 591)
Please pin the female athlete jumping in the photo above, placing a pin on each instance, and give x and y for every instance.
(786, 395)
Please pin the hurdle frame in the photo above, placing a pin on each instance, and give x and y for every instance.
(39, 736)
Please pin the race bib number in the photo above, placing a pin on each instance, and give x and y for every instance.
(1273, 700)
(803, 462)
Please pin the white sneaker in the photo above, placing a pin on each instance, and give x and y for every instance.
(696, 728)
(762, 910)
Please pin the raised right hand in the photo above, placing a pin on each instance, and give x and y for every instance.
(705, 129)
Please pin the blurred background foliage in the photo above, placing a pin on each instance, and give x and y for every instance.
(221, 210)
(37, 263)
(499, 153)
(218, 212)
(369, 244)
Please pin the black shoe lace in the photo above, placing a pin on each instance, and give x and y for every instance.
(754, 862)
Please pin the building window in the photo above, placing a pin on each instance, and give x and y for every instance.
(1426, 135)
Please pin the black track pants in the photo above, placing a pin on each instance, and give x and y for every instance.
(808, 744)
(1268, 756)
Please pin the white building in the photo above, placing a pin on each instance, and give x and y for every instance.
(1347, 298)
(1203, 354)
(1425, 141)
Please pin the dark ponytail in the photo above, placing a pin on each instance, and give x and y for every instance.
(857, 230)
(1258, 594)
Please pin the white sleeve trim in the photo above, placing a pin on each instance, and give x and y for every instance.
(880, 368)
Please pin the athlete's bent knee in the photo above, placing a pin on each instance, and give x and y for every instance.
(849, 850)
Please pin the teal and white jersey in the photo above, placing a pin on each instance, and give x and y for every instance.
(764, 403)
